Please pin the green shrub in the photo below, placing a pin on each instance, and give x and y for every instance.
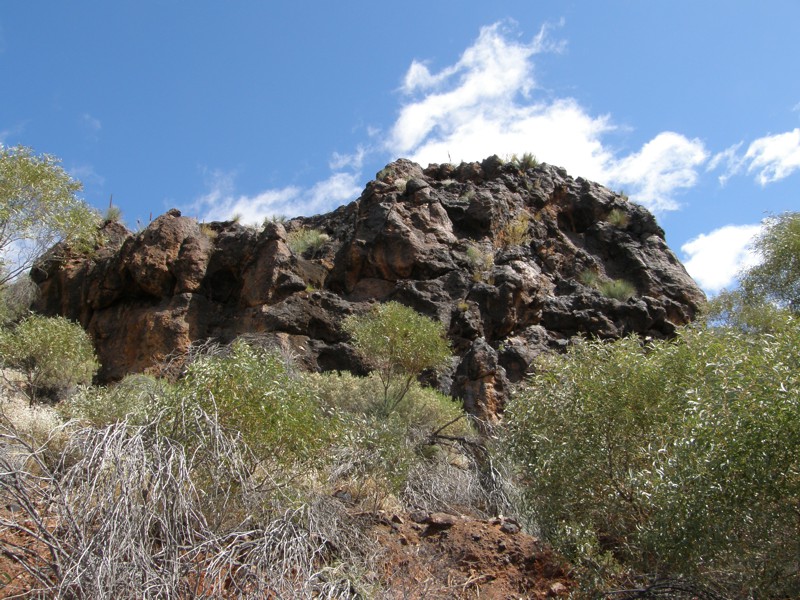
(252, 392)
(53, 353)
(16, 299)
(302, 240)
(374, 451)
(400, 344)
(137, 400)
(678, 458)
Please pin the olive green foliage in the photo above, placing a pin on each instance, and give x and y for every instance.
(251, 391)
(527, 161)
(385, 447)
(776, 278)
(400, 344)
(38, 207)
(53, 353)
(675, 457)
(16, 299)
(304, 239)
(618, 289)
(137, 399)
(618, 218)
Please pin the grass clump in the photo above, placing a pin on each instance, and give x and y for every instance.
(301, 241)
(480, 262)
(618, 218)
(527, 161)
(515, 232)
(618, 289)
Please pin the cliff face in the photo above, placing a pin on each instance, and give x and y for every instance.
(512, 261)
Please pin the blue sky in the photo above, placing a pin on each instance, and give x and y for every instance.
(261, 108)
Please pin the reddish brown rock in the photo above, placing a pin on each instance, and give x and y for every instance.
(496, 253)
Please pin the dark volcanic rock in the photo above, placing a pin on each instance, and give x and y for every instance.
(496, 253)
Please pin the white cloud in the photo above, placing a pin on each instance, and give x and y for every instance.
(774, 157)
(484, 104)
(348, 161)
(715, 259)
(665, 164)
(221, 202)
(730, 160)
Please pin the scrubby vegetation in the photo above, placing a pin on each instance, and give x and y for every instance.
(245, 477)
(677, 458)
(305, 240)
(241, 478)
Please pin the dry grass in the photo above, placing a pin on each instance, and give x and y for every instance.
(128, 512)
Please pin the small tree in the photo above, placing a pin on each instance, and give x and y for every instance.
(38, 208)
(399, 343)
(53, 353)
(777, 277)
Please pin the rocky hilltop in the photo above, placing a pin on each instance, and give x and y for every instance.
(513, 260)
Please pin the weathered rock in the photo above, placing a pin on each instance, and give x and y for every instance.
(498, 254)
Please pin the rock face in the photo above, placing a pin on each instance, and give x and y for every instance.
(512, 261)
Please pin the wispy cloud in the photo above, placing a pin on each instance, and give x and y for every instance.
(221, 201)
(487, 102)
(665, 164)
(715, 259)
(86, 175)
(91, 126)
(774, 157)
(769, 158)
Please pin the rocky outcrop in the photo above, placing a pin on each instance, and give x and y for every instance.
(512, 261)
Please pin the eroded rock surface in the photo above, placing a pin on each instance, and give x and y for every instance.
(512, 261)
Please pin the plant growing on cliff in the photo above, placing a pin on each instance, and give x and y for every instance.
(38, 207)
(54, 354)
(400, 344)
(514, 232)
(618, 218)
(304, 239)
(480, 261)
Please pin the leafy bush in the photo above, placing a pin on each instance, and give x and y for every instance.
(252, 392)
(53, 353)
(137, 399)
(400, 344)
(302, 240)
(16, 299)
(675, 457)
